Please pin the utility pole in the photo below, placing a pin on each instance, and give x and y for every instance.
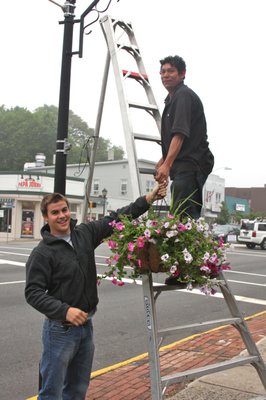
(62, 145)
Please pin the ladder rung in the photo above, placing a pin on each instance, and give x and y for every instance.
(148, 107)
(209, 369)
(223, 321)
(150, 138)
(135, 75)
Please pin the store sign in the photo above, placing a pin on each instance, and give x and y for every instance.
(240, 207)
(29, 183)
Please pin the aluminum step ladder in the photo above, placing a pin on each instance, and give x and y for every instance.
(121, 44)
(120, 38)
(160, 383)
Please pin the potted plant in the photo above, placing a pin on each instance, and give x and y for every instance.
(183, 249)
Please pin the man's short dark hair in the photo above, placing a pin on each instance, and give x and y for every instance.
(51, 198)
(176, 62)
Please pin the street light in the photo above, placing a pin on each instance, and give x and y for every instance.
(104, 194)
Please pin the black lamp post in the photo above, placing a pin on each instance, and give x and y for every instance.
(104, 194)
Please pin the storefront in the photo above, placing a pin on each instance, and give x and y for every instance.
(20, 198)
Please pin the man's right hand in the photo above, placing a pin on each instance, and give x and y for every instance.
(76, 316)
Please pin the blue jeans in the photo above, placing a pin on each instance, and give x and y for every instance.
(184, 185)
(66, 361)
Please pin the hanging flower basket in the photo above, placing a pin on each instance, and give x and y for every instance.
(150, 258)
(184, 249)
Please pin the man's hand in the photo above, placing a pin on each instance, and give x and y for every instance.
(158, 192)
(76, 316)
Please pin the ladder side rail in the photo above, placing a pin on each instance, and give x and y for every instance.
(96, 136)
(107, 27)
(153, 348)
(243, 330)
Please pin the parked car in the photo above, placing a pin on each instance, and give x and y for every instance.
(253, 233)
(228, 232)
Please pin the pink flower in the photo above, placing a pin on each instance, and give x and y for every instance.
(120, 283)
(119, 226)
(116, 257)
(129, 256)
(108, 261)
(182, 227)
(114, 280)
(130, 246)
(140, 242)
(112, 244)
(139, 262)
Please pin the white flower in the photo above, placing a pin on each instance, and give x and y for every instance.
(172, 233)
(164, 257)
(147, 233)
(166, 225)
(188, 225)
(173, 269)
(187, 256)
(205, 269)
(206, 256)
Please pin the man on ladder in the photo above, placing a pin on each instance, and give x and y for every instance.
(186, 157)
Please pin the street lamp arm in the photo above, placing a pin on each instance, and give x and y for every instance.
(92, 7)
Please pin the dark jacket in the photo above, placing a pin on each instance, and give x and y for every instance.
(59, 276)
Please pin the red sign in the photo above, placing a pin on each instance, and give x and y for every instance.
(29, 183)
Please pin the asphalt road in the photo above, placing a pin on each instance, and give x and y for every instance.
(119, 325)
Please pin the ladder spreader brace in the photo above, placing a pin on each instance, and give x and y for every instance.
(155, 338)
(150, 292)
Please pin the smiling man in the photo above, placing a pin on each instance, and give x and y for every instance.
(186, 157)
(61, 283)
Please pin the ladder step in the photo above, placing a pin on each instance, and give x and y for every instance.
(149, 107)
(135, 75)
(223, 321)
(209, 369)
(149, 138)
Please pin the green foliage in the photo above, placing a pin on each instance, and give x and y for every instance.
(224, 216)
(23, 134)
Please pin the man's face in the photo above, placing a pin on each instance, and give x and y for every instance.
(171, 77)
(58, 218)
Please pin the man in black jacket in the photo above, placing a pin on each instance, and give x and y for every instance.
(61, 283)
(186, 157)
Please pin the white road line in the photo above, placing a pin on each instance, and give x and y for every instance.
(16, 254)
(11, 283)
(228, 271)
(17, 263)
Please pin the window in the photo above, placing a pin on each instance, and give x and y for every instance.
(261, 227)
(149, 185)
(123, 186)
(95, 187)
(218, 198)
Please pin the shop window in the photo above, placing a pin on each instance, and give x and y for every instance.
(5, 219)
(27, 223)
(123, 186)
(95, 187)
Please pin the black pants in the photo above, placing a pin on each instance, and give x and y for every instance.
(186, 191)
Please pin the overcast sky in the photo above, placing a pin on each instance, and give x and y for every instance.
(222, 41)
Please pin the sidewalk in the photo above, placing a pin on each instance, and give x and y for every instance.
(130, 380)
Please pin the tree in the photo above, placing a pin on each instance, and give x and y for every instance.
(23, 134)
(224, 215)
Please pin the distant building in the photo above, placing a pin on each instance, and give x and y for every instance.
(236, 204)
(256, 197)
